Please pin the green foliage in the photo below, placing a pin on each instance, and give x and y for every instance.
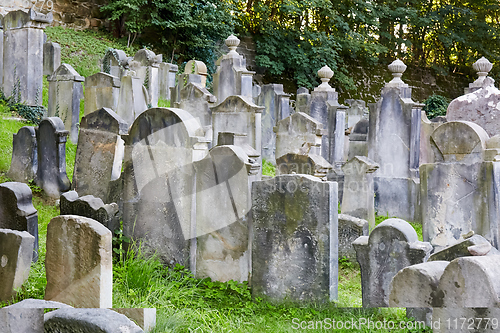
(7, 128)
(436, 105)
(268, 169)
(163, 103)
(180, 29)
(32, 114)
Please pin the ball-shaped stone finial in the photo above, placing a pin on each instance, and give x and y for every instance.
(397, 67)
(483, 66)
(232, 43)
(325, 74)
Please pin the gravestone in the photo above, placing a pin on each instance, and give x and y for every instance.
(133, 99)
(241, 140)
(452, 197)
(232, 77)
(166, 75)
(393, 143)
(199, 68)
(145, 318)
(13, 320)
(276, 107)
(17, 211)
(115, 62)
(99, 154)
(238, 114)
(474, 245)
(350, 229)
(480, 104)
(51, 57)
(146, 65)
(358, 145)
(16, 254)
(65, 87)
(51, 142)
(298, 134)
(91, 207)
(427, 127)
(23, 55)
(102, 90)
(158, 188)
(24, 162)
(223, 215)
(303, 100)
(358, 194)
(309, 164)
(78, 262)
(294, 247)
(356, 111)
(391, 246)
(88, 321)
(417, 286)
(183, 80)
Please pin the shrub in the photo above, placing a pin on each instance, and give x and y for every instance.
(435, 106)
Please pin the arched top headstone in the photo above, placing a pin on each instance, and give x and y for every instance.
(102, 80)
(196, 67)
(104, 119)
(459, 141)
(396, 226)
(154, 120)
(147, 57)
(18, 197)
(114, 57)
(55, 122)
(65, 72)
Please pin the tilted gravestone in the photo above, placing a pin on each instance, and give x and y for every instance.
(475, 245)
(391, 246)
(223, 215)
(89, 321)
(91, 207)
(452, 197)
(51, 141)
(16, 254)
(65, 88)
(17, 211)
(23, 55)
(158, 176)
(102, 90)
(78, 262)
(232, 77)
(166, 76)
(393, 143)
(133, 99)
(51, 57)
(276, 107)
(24, 162)
(358, 194)
(99, 154)
(298, 134)
(350, 229)
(294, 248)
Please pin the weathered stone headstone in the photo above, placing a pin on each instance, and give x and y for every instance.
(51, 57)
(309, 164)
(88, 321)
(16, 254)
(241, 140)
(427, 127)
(14, 320)
(166, 75)
(17, 211)
(452, 198)
(78, 262)
(393, 143)
(294, 249)
(115, 62)
(350, 229)
(91, 207)
(133, 99)
(417, 286)
(24, 162)
(102, 90)
(99, 154)
(65, 86)
(298, 134)
(391, 246)
(146, 65)
(159, 181)
(51, 141)
(358, 194)
(232, 77)
(480, 105)
(303, 100)
(475, 245)
(358, 145)
(238, 114)
(276, 107)
(23, 55)
(199, 68)
(145, 318)
(356, 112)
(223, 215)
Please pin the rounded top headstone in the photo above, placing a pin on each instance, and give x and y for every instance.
(232, 43)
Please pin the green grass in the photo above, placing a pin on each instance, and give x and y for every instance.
(417, 226)
(268, 169)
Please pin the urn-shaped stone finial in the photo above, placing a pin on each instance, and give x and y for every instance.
(325, 74)
(232, 43)
(397, 68)
(482, 67)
